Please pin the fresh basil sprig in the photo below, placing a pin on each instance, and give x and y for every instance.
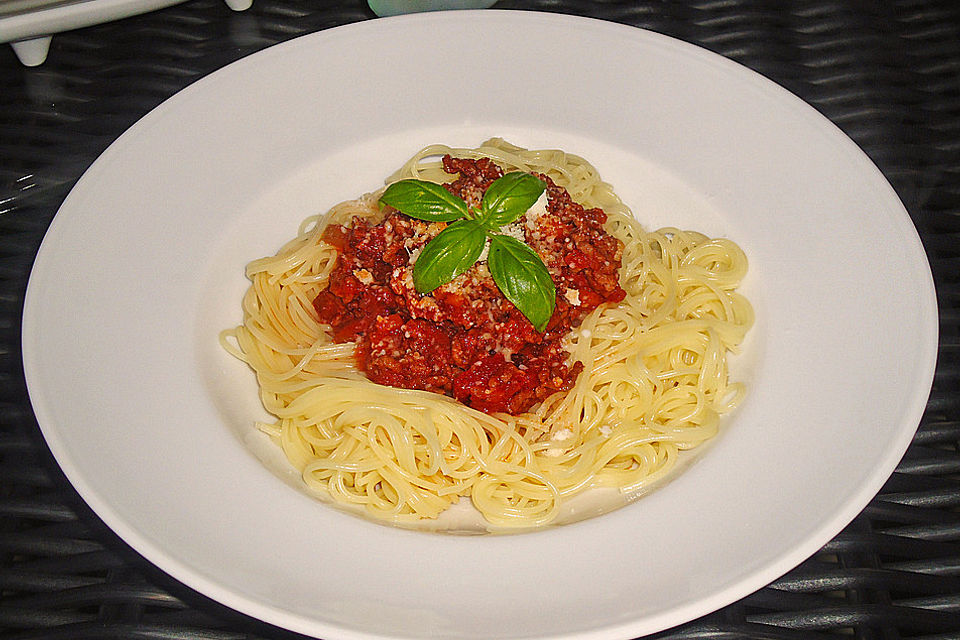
(516, 268)
(522, 278)
(508, 198)
(453, 251)
(424, 201)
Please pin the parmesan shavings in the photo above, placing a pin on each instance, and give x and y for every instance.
(538, 209)
(363, 276)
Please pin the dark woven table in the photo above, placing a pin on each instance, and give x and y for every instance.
(888, 73)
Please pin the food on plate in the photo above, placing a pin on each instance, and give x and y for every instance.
(496, 325)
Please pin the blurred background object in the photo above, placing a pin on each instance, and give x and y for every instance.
(29, 25)
(395, 7)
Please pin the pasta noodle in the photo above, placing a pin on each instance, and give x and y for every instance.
(655, 380)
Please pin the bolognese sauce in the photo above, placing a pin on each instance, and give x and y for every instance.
(465, 339)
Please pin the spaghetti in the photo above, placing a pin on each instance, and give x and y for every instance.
(654, 379)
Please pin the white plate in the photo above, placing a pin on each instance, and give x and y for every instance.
(143, 266)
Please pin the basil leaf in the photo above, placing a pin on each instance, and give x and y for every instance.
(509, 197)
(450, 253)
(424, 200)
(522, 278)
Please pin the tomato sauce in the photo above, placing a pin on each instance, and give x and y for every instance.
(465, 339)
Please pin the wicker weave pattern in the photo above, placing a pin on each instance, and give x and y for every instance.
(887, 73)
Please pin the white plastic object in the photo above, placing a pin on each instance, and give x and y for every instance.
(30, 28)
(32, 52)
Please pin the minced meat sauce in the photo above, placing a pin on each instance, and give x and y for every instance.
(464, 339)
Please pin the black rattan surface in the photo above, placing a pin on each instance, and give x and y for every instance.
(888, 73)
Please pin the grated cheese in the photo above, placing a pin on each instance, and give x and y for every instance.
(363, 276)
(514, 230)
